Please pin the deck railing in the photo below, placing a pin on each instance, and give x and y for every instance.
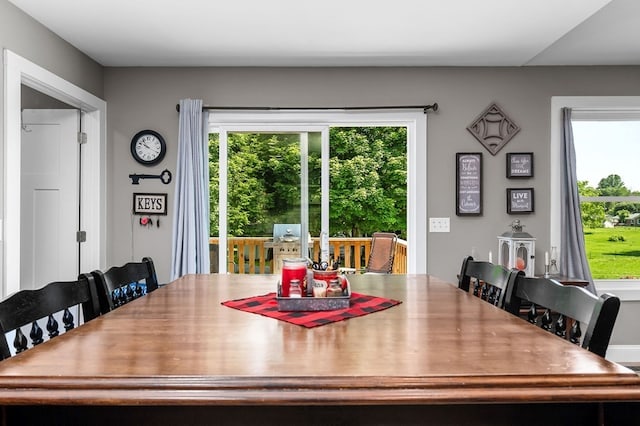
(251, 256)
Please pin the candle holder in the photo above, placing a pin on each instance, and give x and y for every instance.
(553, 269)
(546, 271)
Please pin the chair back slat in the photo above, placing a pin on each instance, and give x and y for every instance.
(490, 281)
(29, 307)
(568, 302)
(121, 284)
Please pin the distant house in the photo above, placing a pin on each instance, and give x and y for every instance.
(633, 219)
(610, 221)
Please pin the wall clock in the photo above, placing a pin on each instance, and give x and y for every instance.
(148, 147)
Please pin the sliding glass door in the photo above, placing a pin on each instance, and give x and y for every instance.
(313, 174)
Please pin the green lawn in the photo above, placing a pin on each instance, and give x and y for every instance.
(613, 253)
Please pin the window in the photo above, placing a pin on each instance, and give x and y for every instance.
(585, 109)
(307, 134)
(609, 185)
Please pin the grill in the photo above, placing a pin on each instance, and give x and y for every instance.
(285, 244)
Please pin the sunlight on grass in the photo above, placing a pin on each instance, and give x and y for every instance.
(613, 253)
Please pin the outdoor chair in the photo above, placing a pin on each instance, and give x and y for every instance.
(382, 254)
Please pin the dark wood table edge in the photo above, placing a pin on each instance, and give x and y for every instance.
(267, 391)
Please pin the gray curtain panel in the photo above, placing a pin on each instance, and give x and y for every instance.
(190, 244)
(573, 255)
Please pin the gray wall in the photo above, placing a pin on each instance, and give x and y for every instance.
(27, 38)
(33, 99)
(141, 98)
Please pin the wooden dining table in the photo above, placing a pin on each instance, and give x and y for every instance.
(179, 356)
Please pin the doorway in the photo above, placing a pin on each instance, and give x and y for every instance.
(50, 201)
(310, 122)
(18, 72)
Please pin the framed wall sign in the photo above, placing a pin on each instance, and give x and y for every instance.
(148, 204)
(520, 200)
(520, 165)
(468, 183)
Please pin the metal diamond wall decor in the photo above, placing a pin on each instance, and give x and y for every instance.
(493, 129)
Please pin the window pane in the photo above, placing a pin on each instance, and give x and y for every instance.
(263, 182)
(263, 190)
(611, 228)
(315, 189)
(368, 180)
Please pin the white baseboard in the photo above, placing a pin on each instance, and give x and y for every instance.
(624, 289)
(624, 354)
(627, 292)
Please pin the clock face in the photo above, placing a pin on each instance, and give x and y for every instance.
(148, 147)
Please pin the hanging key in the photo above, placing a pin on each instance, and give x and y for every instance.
(165, 177)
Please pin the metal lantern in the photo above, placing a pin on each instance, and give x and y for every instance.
(516, 249)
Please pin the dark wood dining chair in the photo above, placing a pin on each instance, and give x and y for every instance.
(486, 280)
(121, 284)
(40, 308)
(563, 306)
(382, 254)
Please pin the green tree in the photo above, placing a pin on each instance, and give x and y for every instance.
(358, 204)
(246, 191)
(623, 215)
(631, 207)
(254, 161)
(367, 181)
(593, 214)
(612, 185)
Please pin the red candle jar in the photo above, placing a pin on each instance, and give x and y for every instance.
(325, 276)
(293, 269)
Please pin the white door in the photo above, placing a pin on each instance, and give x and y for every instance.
(49, 208)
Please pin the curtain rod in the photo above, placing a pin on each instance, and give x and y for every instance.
(425, 108)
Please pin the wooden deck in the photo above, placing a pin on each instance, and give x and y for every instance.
(251, 256)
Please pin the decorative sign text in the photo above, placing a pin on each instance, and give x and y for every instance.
(520, 165)
(519, 200)
(468, 184)
(146, 204)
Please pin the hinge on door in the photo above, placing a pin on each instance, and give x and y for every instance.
(81, 236)
(82, 138)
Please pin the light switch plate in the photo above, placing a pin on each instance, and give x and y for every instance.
(439, 224)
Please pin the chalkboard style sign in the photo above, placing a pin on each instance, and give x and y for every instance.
(468, 183)
(520, 165)
(519, 200)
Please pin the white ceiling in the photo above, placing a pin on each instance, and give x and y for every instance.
(346, 32)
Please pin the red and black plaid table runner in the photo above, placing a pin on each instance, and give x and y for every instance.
(267, 305)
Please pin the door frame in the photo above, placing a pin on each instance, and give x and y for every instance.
(19, 71)
(414, 120)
